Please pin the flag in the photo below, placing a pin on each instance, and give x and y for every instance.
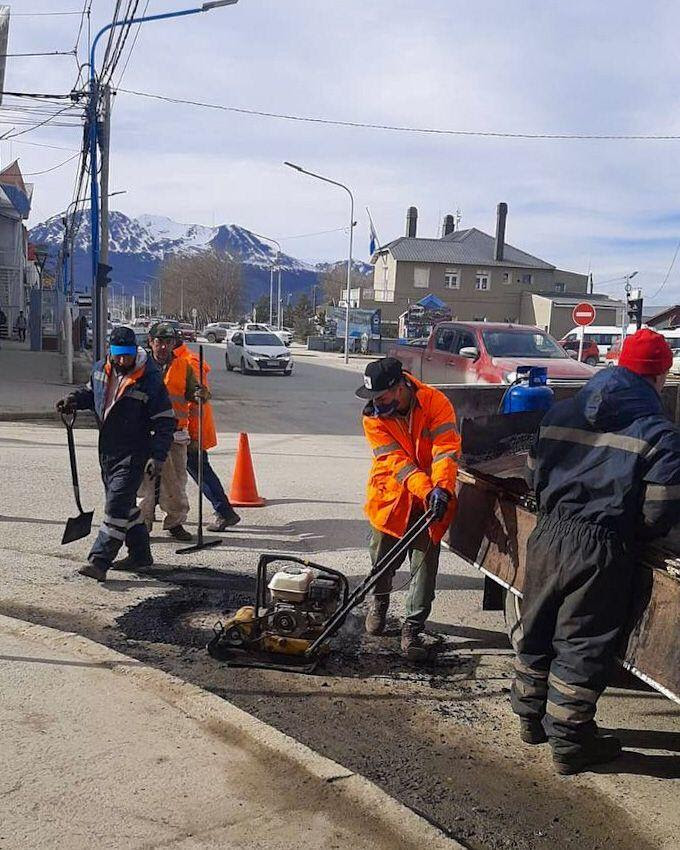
(373, 240)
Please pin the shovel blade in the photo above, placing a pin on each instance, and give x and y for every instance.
(77, 527)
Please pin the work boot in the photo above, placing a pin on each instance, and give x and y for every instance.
(377, 615)
(412, 646)
(179, 532)
(597, 750)
(531, 730)
(96, 568)
(222, 523)
(133, 563)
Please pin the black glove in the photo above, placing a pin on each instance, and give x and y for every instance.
(67, 405)
(438, 501)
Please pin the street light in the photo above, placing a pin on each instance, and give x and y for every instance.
(351, 235)
(277, 266)
(92, 116)
(626, 317)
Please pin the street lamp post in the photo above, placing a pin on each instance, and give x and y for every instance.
(626, 318)
(277, 267)
(351, 236)
(93, 130)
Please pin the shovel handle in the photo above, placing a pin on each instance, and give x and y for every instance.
(69, 420)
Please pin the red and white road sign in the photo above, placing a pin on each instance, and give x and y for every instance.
(583, 314)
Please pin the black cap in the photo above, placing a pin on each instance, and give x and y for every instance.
(162, 330)
(380, 375)
(123, 336)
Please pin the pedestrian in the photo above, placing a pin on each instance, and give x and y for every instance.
(412, 431)
(606, 472)
(225, 516)
(21, 326)
(136, 424)
(83, 331)
(182, 386)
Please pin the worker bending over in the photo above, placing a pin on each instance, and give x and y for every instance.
(606, 471)
(412, 431)
(136, 424)
(183, 388)
(225, 516)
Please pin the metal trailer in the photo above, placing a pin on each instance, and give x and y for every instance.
(496, 515)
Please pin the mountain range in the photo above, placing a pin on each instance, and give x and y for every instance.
(138, 246)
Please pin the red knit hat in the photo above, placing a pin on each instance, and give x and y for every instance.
(646, 353)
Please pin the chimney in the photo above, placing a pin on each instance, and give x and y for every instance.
(411, 222)
(449, 225)
(501, 216)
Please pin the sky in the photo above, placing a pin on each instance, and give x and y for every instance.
(528, 66)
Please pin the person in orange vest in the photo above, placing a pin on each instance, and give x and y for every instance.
(411, 429)
(225, 516)
(182, 387)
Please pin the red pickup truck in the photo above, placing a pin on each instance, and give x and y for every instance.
(485, 353)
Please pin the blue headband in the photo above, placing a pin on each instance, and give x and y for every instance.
(123, 349)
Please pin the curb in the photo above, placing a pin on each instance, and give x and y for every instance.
(265, 742)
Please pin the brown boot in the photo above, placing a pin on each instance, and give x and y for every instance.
(377, 615)
(96, 568)
(412, 647)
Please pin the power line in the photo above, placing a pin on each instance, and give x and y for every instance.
(134, 43)
(41, 14)
(54, 167)
(318, 233)
(668, 273)
(44, 145)
(405, 129)
(46, 53)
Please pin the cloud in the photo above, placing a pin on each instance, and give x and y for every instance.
(515, 67)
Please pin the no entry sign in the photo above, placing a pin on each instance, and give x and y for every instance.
(583, 314)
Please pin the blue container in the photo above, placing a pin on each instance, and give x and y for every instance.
(530, 392)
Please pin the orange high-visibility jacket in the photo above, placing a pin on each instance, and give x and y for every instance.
(409, 461)
(209, 430)
(175, 380)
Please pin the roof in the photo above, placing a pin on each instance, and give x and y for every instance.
(15, 190)
(469, 247)
(656, 313)
(571, 299)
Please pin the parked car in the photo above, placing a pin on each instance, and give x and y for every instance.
(486, 353)
(604, 336)
(188, 332)
(257, 351)
(285, 334)
(218, 331)
(590, 353)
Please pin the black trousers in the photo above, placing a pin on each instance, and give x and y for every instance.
(577, 595)
(122, 521)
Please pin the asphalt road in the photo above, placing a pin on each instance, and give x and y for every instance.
(315, 399)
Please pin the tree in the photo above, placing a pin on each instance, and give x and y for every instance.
(301, 316)
(262, 309)
(334, 282)
(210, 282)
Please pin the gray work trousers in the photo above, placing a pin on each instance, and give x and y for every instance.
(424, 562)
(172, 492)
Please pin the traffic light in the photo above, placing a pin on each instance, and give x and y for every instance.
(634, 307)
(103, 275)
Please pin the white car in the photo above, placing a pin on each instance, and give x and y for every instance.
(284, 334)
(257, 351)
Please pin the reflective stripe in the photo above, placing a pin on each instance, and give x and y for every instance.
(169, 412)
(138, 521)
(99, 376)
(534, 688)
(662, 492)
(569, 714)
(444, 455)
(179, 399)
(406, 471)
(574, 691)
(383, 450)
(531, 462)
(520, 667)
(441, 429)
(138, 394)
(596, 439)
(115, 521)
(113, 532)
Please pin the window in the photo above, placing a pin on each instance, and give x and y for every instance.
(452, 279)
(506, 277)
(421, 277)
(464, 340)
(526, 279)
(482, 281)
(479, 319)
(560, 287)
(444, 339)
(522, 343)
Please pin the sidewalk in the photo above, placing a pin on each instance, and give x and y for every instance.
(101, 751)
(357, 362)
(30, 381)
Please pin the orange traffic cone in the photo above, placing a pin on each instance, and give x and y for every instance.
(243, 485)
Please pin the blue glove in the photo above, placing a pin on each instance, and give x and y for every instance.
(438, 501)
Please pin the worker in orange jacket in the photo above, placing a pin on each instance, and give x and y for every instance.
(412, 431)
(225, 516)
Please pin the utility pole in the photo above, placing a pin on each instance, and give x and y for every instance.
(102, 291)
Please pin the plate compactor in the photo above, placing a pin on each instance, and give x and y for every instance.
(298, 610)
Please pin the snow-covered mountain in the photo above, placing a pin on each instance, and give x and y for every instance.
(137, 246)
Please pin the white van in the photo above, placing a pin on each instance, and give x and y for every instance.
(604, 336)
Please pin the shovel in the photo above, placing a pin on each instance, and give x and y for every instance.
(81, 525)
